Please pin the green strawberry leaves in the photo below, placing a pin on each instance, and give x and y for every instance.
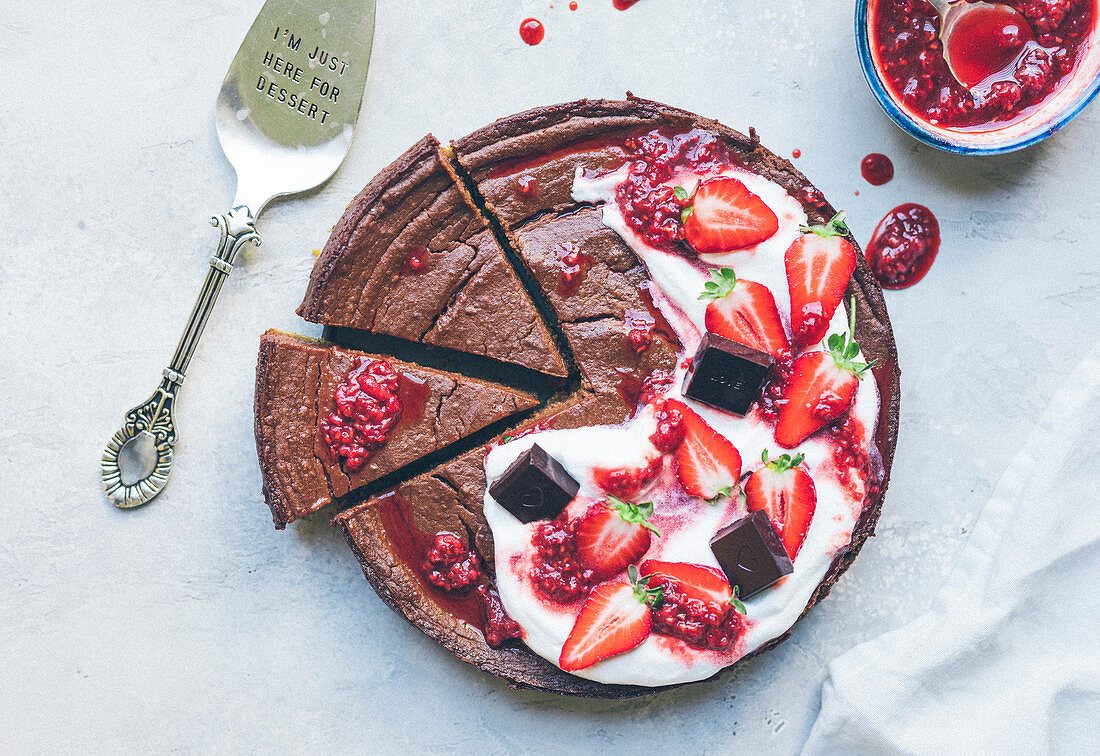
(784, 463)
(844, 349)
(637, 514)
(645, 594)
(835, 227)
(721, 284)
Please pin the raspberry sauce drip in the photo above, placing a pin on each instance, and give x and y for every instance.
(877, 169)
(367, 408)
(416, 261)
(903, 246)
(1014, 58)
(573, 264)
(623, 4)
(639, 330)
(531, 31)
(527, 187)
(449, 565)
(796, 153)
(648, 203)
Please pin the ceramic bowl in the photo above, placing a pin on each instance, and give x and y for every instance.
(1052, 115)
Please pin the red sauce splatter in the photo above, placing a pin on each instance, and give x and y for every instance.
(1013, 58)
(797, 153)
(416, 261)
(574, 264)
(903, 246)
(573, 5)
(527, 187)
(532, 31)
(857, 192)
(876, 168)
(623, 4)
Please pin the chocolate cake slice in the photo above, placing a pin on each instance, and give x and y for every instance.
(390, 534)
(412, 257)
(297, 383)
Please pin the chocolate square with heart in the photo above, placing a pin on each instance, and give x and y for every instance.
(751, 554)
(726, 375)
(534, 487)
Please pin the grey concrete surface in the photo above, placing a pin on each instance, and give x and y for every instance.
(191, 625)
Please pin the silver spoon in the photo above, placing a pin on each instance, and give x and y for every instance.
(954, 11)
(285, 117)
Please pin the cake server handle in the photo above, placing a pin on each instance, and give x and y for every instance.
(146, 440)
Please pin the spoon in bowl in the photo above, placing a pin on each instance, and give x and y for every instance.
(981, 41)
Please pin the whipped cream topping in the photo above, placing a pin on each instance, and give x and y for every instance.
(686, 524)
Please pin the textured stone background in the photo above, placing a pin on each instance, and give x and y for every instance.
(191, 624)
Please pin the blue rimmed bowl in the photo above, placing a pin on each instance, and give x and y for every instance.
(1075, 93)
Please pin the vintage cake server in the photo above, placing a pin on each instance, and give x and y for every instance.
(285, 117)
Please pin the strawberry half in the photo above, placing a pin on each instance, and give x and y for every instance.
(819, 265)
(786, 492)
(745, 312)
(820, 388)
(724, 216)
(615, 618)
(614, 534)
(698, 581)
(707, 464)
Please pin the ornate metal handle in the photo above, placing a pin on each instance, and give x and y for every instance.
(152, 420)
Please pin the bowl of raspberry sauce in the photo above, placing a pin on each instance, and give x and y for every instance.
(1030, 66)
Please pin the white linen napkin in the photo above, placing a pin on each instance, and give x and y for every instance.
(1008, 660)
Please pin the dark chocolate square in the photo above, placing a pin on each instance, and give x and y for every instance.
(534, 487)
(726, 375)
(751, 554)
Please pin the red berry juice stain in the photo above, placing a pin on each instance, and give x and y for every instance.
(417, 260)
(573, 265)
(796, 154)
(532, 31)
(573, 5)
(903, 246)
(623, 4)
(527, 187)
(876, 169)
(413, 393)
(857, 192)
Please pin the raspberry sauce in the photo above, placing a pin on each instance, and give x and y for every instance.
(903, 246)
(649, 204)
(367, 408)
(449, 565)
(573, 264)
(532, 31)
(416, 261)
(877, 169)
(1012, 59)
(623, 4)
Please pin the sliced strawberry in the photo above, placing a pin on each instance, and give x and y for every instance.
(707, 464)
(744, 311)
(724, 215)
(819, 265)
(698, 581)
(786, 492)
(820, 388)
(614, 534)
(615, 618)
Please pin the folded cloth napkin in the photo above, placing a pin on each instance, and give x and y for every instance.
(1008, 660)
